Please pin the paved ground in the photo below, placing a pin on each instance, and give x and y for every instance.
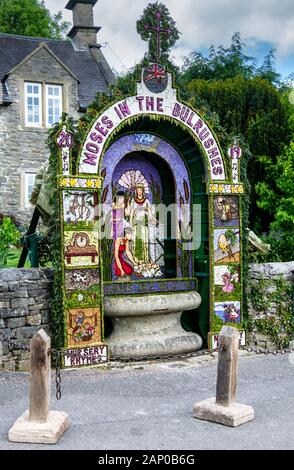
(150, 406)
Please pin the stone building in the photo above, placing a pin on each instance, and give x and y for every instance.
(40, 78)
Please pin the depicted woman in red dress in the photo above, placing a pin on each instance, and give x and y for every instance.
(122, 254)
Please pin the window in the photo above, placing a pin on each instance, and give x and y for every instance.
(29, 182)
(54, 104)
(33, 104)
(37, 112)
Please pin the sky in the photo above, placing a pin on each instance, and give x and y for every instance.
(263, 24)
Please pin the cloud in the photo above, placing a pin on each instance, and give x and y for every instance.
(202, 23)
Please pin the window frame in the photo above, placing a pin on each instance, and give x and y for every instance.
(26, 95)
(26, 202)
(60, 97)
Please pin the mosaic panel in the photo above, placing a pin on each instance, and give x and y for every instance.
(227, 282)
(228, 311)
(226, 245)
(83, 326)
(80, 248)
(226, 211)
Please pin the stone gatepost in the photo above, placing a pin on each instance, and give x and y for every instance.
(223, 408)
(39, 424)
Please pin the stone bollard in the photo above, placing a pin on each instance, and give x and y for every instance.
(223, 408)
(39, 424)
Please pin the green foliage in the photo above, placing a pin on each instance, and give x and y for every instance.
(267, 70)
(250, 107)
(9, 235)
(276, 197)
(281, 247)
(31, 18)
(80, 225)
(126, 83)
(221, 64)
(167, 41)
(217, 324)
(250, 102)
(231, 236)
(44, 251)
(278, 200)
(279, 325)
(255, 110)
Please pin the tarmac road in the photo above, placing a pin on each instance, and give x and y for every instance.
(150, 406)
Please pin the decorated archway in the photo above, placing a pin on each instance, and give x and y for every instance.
(139, 137)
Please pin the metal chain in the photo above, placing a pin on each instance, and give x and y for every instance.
(57, 356)
(202, 352)
(12, 343)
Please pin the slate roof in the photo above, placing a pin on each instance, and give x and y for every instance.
(14, 49)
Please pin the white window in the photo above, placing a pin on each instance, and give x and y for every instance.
(53, 104)
(33, 104)
(38, 113)
(29, 182)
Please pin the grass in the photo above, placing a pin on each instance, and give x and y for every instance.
(13, 258)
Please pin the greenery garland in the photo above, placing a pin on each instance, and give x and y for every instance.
(57, 318)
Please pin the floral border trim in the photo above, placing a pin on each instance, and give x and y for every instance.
(77, 182)
(215, 188)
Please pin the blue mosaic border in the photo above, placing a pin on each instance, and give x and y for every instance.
(147, 287)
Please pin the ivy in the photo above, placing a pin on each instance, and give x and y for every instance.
(56, 248)
(266, 295)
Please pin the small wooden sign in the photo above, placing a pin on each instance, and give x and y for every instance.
(92, 355)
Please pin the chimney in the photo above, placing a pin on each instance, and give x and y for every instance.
(83, 33)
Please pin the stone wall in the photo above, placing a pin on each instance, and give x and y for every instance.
(24, 308)
(266, 302)
(23, 149)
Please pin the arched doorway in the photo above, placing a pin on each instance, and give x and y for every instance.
(148, 160)
(178, 144)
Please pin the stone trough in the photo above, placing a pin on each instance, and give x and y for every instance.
(151, 324)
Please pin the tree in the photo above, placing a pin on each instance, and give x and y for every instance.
(267, 70)
(276, 196)
(255, 109)
(31, 18)
(167, 40)
(222, 63)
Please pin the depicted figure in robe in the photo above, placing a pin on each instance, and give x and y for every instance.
(140, 217)
(224, 209)
(124, 260)
(231, 313)
(77, 333)
(119, 210)
(89, 331)
(225, 245)
(228, 286)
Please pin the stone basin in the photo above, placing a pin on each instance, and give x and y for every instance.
(150, 325)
